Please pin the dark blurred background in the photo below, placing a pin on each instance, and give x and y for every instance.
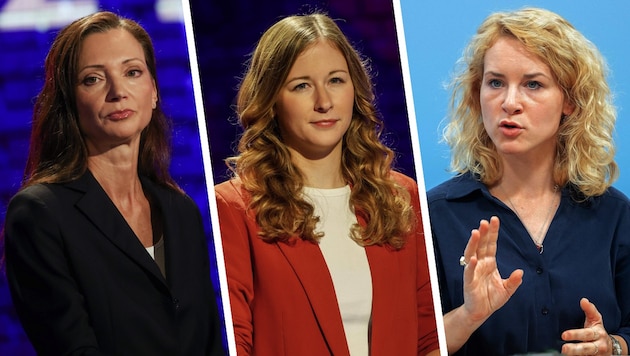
(225, 33)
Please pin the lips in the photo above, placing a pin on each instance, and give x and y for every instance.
(120, 114)
(510, 128)
(325, 123)
(509, 124)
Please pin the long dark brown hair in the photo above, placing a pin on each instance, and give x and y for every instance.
(57, 151)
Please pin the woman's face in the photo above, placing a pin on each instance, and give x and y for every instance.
(315, 104)
(115, 91)
(521, 102)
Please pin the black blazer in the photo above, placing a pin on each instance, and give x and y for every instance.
(82, 283)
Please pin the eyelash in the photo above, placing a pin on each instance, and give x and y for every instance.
(334, 80)
(493, 84)
(92, 79)
(138, 71)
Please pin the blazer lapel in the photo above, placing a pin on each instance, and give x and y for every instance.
(102, 212)
(311, 269)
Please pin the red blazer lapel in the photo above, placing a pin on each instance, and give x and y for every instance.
(310, 267)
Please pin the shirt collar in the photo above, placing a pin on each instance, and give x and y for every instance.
(464, 185)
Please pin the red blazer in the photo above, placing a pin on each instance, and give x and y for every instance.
(283, 300)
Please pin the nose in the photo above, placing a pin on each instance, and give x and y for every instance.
(512, 101)
(323, 101)
(117, 90)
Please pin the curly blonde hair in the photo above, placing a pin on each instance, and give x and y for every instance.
(264, 162)
(585, 150)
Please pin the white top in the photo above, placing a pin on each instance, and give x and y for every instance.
(150, 250)
(347, 263)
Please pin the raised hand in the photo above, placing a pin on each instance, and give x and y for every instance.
(484, 289)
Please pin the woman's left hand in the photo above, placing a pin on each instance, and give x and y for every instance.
(590, 340)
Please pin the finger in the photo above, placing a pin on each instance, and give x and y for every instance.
(513, 281)
(469, 271)
(483, 239)
(593, 317)
(583, 348)
(471, 246)
(492, 237)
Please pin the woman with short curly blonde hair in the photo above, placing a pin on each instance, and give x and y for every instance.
(585, 153)
(315, 212)
(530, 130)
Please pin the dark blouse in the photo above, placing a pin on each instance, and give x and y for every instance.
(586, 254)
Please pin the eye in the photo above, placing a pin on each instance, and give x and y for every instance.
(337, 80)
(532, 84)
(90, 80)
(134, 73)
(300, 86)
(495, 83)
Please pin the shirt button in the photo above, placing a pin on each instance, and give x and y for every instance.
(544, 311)
(539, 270)
(176, 303)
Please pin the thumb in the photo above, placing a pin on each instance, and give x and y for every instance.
(514, 281)
(592, 315)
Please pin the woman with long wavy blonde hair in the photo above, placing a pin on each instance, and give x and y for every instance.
(530, 131)
(315, 214)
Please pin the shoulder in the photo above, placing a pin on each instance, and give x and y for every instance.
(454, 188)
(38, 194)
(404, 180)
(617, 195)
(612, 198)
(232, 191)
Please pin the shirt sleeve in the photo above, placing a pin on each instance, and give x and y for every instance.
(45, 294)
(427, 329)
(621, 256)
(236, 251)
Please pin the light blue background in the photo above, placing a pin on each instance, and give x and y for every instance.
(437, 31)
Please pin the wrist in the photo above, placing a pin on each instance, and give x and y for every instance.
(616, 345)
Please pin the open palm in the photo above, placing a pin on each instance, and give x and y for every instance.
(484, 289)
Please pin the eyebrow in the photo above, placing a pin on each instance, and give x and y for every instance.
(305, 77)
(526, 76)
(100, 66)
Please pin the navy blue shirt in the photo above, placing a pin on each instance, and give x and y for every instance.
(586, 254)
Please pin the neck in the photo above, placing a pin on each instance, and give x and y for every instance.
(322, 173)
(119, 179)
(532, 195)
(520, 178)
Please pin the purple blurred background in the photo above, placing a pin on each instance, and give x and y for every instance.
(225, 32)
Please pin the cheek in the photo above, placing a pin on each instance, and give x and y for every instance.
(347, 103)
(485, 100)
(85, 111)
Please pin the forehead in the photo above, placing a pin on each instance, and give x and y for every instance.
(509, 52)
(321, 53)
(111, 43)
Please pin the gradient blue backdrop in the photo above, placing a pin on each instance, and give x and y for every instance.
(226, 32)
(437, 31)
(27, 29)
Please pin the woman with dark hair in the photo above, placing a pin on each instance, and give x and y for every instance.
(323, 241)
(105, 254)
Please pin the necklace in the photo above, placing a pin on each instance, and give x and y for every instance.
(537, 239)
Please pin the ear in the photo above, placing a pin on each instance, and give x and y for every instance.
(568, 108)
(154, 96)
